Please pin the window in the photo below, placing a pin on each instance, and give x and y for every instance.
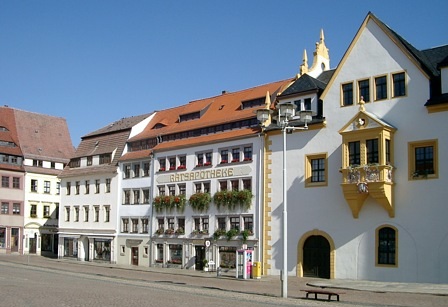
(235, 154)
(386, 246)
(127, 171)
(33, 211)
(235, 223)
(58, 188)
(200, 159)
(161, 190)
(205, 224)
(46, 211)
(347, 94)
(160, 223)
(89, 161)
(354, 154)
(105, 158)
(171, 223)
(16, 208)
(97, 186)
(222, 223)
(172, 190)
(235, 185)
(146, 169)
(172, 161)
(399, 84)
(316, 170)
(423, 160)
(137, 170)
(5, 182)
(86, 213)
(182, 162)
(372, 151)
(96, 217)
(248, 153)
(223, 185)
(364, 90)
(248, 223)
(162, 165)
(77, 187)
(33, 185)
(15, 182)
(136, 197)
(182, 189)
(145, 196)
(380, 88)
(69, 186)
(224, 156)
(108, 185)
(135, 225)
(107, 214)
(67, 214)
(5, 208)
(197, 223)
(76, 217)
(307, 104)
(144, 225)
(127, 197)
(125, 225)
(208, 158)
(47, 187)
(247, 184)
(87, 186)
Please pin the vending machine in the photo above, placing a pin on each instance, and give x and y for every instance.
(244, 263)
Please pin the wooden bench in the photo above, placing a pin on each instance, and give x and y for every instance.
(323, 292)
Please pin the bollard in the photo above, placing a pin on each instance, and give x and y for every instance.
(218, 272)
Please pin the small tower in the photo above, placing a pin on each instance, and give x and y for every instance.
(321, 59)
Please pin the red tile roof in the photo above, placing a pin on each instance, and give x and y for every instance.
(216, 110)
(43, 136)
(8, 121)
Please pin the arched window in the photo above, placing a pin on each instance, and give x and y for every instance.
(387, 246)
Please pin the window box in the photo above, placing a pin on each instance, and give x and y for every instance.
(172, 168)
(162, 169)
(181, 167)
(160, 231)
(247, 159)
(207, 163)
(224, 162)
(169, 231)
(33, 215)
(199, 165)
(235, 160)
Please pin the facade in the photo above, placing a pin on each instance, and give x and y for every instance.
(12, 195)
(88, 214)
(44, 145)
(365, 185)
(205, 181)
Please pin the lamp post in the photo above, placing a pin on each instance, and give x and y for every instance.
(286, 112)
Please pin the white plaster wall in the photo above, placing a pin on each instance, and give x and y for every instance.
(420, 208)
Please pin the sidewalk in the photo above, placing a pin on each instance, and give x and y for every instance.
(267, 285)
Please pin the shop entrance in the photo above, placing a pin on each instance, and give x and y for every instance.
(316, 257)
(200, 256)
(134, 255)
(32, 245)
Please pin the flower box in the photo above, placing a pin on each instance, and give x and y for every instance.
(162, 169)
(224, 161)
(247, 159)
(235, 160)
(181, 167)
(172, 168)
(207, 163)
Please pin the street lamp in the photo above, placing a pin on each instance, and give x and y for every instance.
(286, 113)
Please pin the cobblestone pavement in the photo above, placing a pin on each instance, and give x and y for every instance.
(268, 288)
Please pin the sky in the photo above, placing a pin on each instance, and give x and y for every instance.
(93, 62)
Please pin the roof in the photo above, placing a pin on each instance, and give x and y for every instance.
(215, 110)
(121, 124)
(8, 121)
(43, 136)
(110, 139)
(305, 83)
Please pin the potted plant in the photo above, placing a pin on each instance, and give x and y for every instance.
(218, 233)
(200, 201)
(245, 234)
(231, 233)
(180, 231)
(178, 201)
(205, 265)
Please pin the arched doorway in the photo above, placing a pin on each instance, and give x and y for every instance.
(316, 257)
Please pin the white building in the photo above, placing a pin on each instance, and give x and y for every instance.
(90, 193)
(205, 181)
(365, 183)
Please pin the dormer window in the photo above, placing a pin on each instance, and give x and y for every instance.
(189, 116)
(253, 103)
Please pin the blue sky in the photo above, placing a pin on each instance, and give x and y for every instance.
(94, 62)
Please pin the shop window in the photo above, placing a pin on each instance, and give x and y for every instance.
(423, 160)
(316, 170)
(386, 238)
